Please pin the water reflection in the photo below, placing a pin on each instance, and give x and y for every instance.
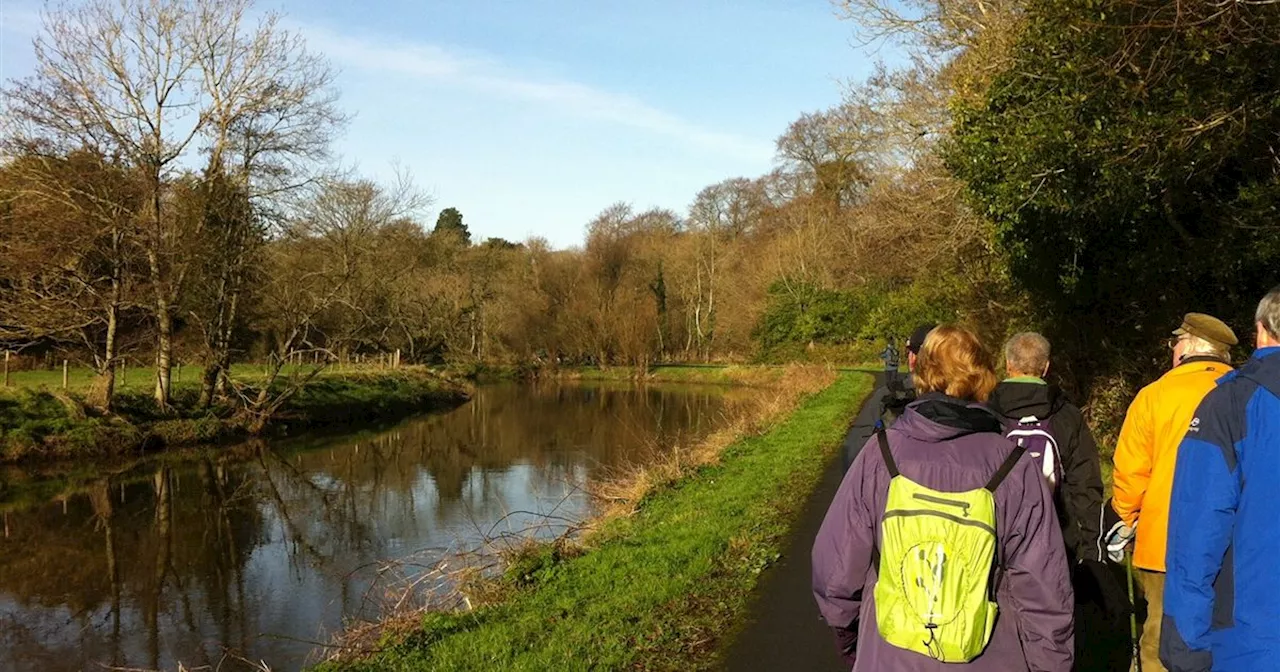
(266, 556)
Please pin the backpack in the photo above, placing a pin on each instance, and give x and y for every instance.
(937, 565)
(1035, 436)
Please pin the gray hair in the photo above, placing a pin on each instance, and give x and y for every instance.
(1268, 314)
(1027, 352)
(1199, 346)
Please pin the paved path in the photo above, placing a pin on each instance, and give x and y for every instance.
(785, 631)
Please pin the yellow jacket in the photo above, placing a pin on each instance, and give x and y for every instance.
(1148, 451)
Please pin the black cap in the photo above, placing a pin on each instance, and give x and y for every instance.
(918, 336)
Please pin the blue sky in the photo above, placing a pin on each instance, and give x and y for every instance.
(532, 116)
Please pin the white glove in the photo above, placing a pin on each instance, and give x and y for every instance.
(1118, 537)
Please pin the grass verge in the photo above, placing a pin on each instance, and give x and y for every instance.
(656, 583)
(44, 424)
(753, 376)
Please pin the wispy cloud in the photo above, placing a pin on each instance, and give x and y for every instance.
(490, 76)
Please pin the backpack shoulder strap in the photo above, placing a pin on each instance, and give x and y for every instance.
(1005, 468)
(884, 450)
(997, 567)
(883, 440)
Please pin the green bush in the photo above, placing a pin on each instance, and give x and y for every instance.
(803, 322)
(28, 416)
(191, 430)
(801, 313)
(901, 310)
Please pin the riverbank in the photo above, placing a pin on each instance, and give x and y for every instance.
(746, 376)
(41, 424)
(701, 374)
(658, 582)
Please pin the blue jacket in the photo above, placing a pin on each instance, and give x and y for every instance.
(1222, 592)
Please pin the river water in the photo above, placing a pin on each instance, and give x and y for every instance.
(263, 552)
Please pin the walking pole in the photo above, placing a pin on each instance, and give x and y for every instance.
(1133, 615)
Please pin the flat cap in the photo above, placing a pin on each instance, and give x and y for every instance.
(1207, 327)
(917, 337)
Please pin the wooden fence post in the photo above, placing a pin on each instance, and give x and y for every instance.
(65, 379)
(6, 368)
(124, 373)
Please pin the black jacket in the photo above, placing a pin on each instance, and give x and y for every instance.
(894, 397)
(1079, 496)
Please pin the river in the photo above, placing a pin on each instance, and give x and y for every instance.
(262, 552)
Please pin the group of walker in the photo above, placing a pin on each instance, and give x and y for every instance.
(958, 529)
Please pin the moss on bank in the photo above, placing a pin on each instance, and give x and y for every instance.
(655, 589)
(40, 424)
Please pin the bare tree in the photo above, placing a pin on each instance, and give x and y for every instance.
(720, 214)
(271, 112)
(144, 80)
(66, 253)
(938, 28)
(116, 75)
(325, 261)
(966, 42)
(835, 152)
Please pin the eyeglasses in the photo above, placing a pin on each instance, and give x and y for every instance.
(1173, 342)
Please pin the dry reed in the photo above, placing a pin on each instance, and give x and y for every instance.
(620, 493)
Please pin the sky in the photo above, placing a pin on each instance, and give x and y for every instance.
(532, 116)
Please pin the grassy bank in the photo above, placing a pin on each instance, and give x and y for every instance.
(142, 380)
(755, 376)
(653, 589)
(39, 423)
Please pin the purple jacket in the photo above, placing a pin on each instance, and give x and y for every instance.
(946, 445)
